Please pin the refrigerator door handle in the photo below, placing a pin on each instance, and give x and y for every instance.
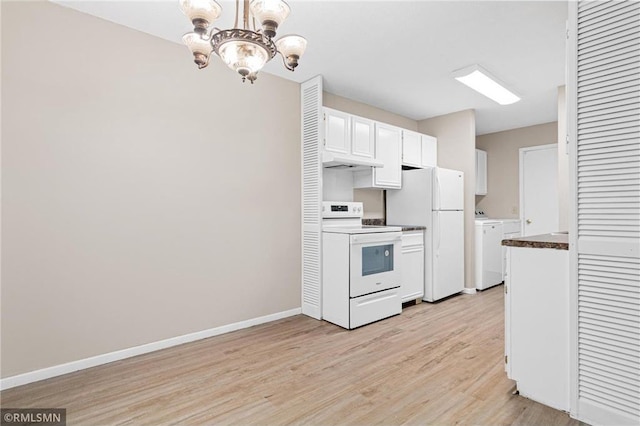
(439, 233)
(437, 198)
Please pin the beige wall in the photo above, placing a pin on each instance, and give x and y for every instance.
(563, 162)
(372, 199)
(503, 150)
(456, 135)
(140, 200)
(363, 110)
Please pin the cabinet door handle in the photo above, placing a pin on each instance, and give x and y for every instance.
(528, 221)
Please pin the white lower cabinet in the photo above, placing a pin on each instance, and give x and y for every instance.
(412, 287)
(537, 324)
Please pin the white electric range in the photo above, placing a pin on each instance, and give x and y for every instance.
(360, 267)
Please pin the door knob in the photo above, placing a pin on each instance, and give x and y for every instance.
(528, 221)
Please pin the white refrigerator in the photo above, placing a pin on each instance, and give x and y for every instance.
(434, 198)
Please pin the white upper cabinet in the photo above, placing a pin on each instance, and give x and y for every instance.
(411, 149)
(429, 151)
(337, 132)
(419, 150)
(388, 150)
(348, 134)
(362, 137)
(481, 172)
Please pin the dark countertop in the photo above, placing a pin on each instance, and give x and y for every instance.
(552, 241)
(411, 227)
(382, 222)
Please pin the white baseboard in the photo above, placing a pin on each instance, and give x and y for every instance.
(467, 290)
(69, 367)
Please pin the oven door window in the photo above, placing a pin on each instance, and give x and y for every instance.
(377, 259)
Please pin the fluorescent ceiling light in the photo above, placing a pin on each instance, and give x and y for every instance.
(481, 81)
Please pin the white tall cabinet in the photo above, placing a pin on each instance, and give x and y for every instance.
(603, 78)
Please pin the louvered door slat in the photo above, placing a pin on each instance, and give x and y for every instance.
(311, 101)
(609, 56)
(616, 325)
(607, 88)
(620, 393)
(612, 351)
(626, 174)
(609, 21)
(620, 120)
(604, 101)
(608, 147)
(628, 42)
(600, 396)
(589, 15)
(609, 66)
(627, 111)
(606, 381)
(607, 40)
(609, 315)
(615, 328)
(595, 375)
(613, 216)
(622, 156)
(625, 140)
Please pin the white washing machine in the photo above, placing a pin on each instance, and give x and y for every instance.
(489, 253)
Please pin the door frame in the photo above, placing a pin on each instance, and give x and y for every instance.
(521, 153)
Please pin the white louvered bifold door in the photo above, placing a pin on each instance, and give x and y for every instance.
(311, 103)
(605, 88)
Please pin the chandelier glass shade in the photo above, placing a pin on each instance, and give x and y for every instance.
(245, 49)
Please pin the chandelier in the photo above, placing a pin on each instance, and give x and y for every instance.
(247, 49)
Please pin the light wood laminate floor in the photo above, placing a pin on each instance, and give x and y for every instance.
(437, 364)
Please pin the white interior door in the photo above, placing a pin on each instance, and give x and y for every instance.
(539, 189)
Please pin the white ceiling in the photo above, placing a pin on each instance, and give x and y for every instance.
(399, 55)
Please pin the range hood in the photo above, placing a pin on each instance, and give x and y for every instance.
(350, 162)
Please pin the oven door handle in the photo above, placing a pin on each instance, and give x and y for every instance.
(382, 237)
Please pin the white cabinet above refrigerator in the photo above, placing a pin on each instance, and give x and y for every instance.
(418, 150)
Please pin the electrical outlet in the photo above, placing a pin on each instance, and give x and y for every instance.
(514, 210)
